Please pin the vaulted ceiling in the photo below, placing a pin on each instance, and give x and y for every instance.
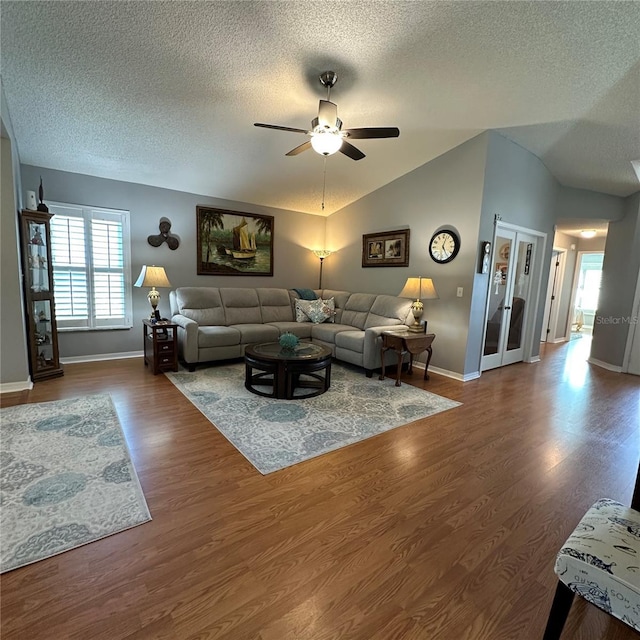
(166, 93)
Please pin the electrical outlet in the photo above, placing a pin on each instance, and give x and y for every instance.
(460, 291)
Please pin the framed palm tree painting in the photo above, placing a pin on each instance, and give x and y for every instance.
(231, 243)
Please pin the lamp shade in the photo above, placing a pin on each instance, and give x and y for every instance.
(322, 253)
(419, 289)
(152, 277)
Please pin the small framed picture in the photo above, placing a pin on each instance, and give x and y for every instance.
(388, 249)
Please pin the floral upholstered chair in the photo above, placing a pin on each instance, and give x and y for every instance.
(600, 561)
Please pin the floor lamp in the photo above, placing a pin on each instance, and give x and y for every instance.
(322, 254)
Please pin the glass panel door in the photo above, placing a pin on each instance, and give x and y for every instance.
(38, 273)
(46, 357)
(502, 251)
(521, 291)
(509, 298)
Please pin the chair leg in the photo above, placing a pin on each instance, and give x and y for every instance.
(559, 612)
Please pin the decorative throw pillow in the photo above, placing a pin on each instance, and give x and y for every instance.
(301, 315)
(316, 310)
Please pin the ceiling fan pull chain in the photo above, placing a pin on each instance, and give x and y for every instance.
(324, 181)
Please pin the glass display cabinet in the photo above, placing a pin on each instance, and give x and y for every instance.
(44, 360)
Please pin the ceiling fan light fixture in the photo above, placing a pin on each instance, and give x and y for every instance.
(325, 142)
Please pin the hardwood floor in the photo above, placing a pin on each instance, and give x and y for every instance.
(445, 529)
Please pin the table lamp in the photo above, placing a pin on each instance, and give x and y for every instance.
(153, 277)
(421, 289)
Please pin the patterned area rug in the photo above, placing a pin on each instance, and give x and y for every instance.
(274, 434)
(66, 478)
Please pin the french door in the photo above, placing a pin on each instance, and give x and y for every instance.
(510, 300)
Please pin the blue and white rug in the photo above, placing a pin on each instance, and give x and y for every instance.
(274, 434)
(66, 478)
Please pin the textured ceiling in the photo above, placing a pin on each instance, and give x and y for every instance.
(166, 93)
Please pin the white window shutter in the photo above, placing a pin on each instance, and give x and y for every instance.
(91, 267)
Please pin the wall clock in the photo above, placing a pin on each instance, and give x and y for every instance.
(444, 246)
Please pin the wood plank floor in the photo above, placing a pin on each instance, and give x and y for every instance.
(445, 529)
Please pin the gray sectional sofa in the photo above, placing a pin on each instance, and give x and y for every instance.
(217, 323)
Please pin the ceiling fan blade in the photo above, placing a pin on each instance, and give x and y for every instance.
(372, 132)
(300, 148)
(327, 114)
(351, 151)
(279, 128)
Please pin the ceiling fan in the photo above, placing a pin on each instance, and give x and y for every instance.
(327, 135)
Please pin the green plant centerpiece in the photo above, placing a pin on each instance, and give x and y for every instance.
(288, 341)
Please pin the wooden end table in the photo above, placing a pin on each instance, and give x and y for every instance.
(160, 346)
(403, 342)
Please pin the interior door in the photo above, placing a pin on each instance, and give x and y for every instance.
(509, 298)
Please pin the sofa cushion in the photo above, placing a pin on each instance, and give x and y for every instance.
(298, 329)
(241, 306)
(217, 336)
(357, 309)
(352, 340)
(315, 310)
(388, 310)
(251, 333)
(327, 332)
(275, 305)
(201, 304)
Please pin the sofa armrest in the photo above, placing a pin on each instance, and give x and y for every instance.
(187, 337)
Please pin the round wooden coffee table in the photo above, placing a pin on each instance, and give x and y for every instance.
(285, 372)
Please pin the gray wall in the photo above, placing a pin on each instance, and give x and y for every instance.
(578, 203)
(620, 273)
(14, 363)
(294, 264)
(445, 192)
(520, 189)
(14, 367)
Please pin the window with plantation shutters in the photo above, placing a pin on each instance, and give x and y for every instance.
(91, 267)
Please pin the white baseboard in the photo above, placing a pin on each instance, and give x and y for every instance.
(98, 357)
(449, 374)
(12, 387)
(557, 340)
(605, 365)
(533, 359)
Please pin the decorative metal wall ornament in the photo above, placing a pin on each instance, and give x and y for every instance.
(173, 242)
(41, 205)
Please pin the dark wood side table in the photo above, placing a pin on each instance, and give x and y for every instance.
(403, 342)
(160, 346)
